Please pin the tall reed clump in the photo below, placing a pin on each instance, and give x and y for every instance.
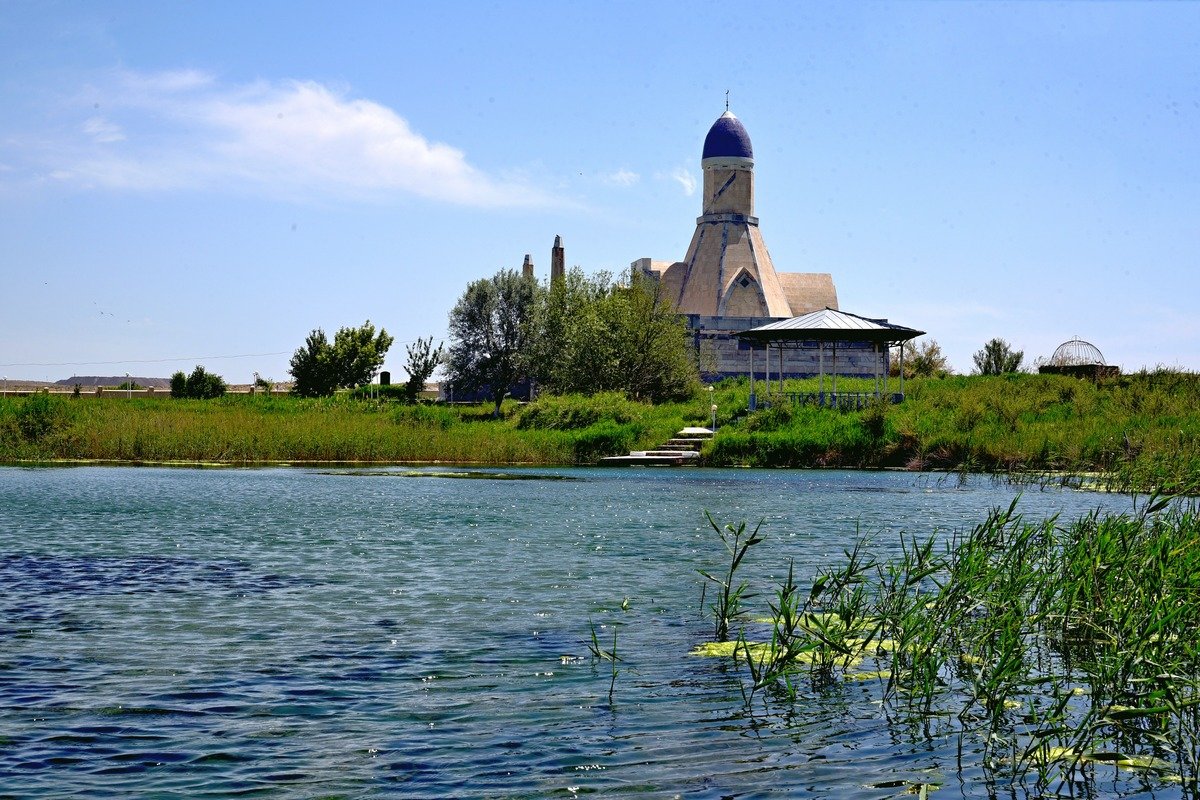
(30, 425)
(1053, 647)
(260, 429)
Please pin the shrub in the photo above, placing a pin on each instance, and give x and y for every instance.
(200, 385)
(438, 417)
(575, 412)
(606, 438)
(40, 415)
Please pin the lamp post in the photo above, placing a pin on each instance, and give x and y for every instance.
(128, 387)
(6, 386)
(714, 410)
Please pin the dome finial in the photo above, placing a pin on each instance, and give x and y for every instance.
(726, 99)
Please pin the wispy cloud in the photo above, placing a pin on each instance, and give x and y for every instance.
(685, 179)
(186, 130)
(101, 130)
(621, 177)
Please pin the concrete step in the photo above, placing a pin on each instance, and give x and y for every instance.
(642, 460)
(683, 449)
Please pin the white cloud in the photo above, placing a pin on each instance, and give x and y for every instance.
(101, 130)
(185, 130)
(684, 178)
(622, 177)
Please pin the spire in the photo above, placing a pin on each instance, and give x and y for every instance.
(527, 267)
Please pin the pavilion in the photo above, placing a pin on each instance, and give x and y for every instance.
(828, 329)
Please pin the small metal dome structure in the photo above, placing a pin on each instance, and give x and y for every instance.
(1077, 353)
(1079, 358)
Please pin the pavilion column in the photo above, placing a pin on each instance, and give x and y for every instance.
(821, 372)
(767, 377)
(875, 368)
(886, 367)
(752, 405)
(835, 371)
(781, 367)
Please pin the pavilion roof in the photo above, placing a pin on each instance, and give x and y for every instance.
(830, 325)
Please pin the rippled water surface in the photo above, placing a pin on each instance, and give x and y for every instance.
(303, 633)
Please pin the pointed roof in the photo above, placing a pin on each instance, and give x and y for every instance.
(828, 325)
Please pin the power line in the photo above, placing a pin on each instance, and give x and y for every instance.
(138, 360)
(148, 360)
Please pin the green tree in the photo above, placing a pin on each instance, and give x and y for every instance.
(312, 368)
(570, 349)
(923, 360)
(320, 368)
(593, 335)
(997, 357)
(200, 385)
(490, 334)
(358, 353)
(423, 359)
(653, 360)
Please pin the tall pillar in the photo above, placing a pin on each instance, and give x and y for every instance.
(558, 261)
(527, 267)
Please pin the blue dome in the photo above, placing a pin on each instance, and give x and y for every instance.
(727, 139)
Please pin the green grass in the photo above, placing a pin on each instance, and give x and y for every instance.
(259, 429)
(1137, 432)
(1141, 430)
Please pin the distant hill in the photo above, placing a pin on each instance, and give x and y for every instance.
(117, 380)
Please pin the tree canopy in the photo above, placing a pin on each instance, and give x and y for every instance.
(200, 384)
(997, 357)
(320, 368)
(594, 335)
(423, 359)
(582, 334)
(490, 333)
(923, 360)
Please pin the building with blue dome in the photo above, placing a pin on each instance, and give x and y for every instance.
(727, 282)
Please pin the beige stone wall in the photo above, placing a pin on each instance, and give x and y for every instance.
(728, 191)
(808, 291)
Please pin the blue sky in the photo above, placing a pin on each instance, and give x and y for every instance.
(186, 183)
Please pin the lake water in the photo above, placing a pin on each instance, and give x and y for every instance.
(375, 633)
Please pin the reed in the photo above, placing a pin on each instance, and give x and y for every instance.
(727, 608)
(601, 654)
(1054, 647)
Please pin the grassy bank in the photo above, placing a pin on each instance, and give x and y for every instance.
(257, 429)
(1140, 431)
